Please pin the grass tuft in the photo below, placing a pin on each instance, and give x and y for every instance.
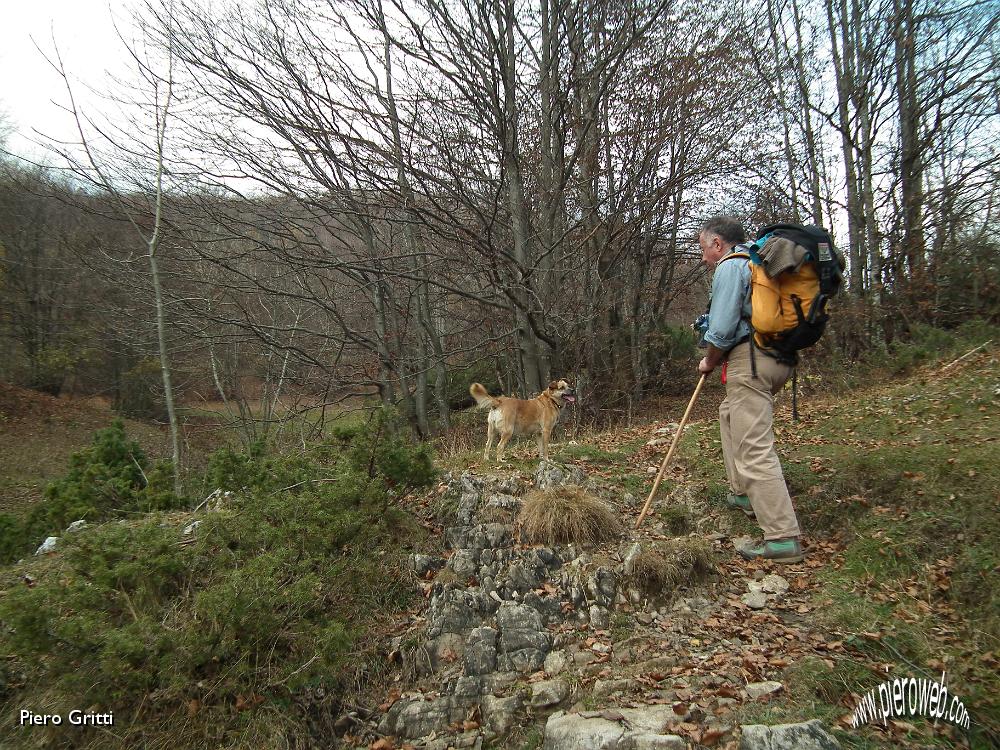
(566, 515)
(674, 563)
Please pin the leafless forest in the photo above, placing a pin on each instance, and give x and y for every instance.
(307, 201)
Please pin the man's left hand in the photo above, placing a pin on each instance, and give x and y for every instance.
(705, 367)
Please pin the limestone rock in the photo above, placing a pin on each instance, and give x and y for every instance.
(575, 732)
(503, 501)
(424, 564)
(416, 717)
(612, 729)
(775, 584)
(807, 736)
(464, 563)
(548, 693)
(479, 537)
(451, 612)
(758, 689)
(498, 682)
(600, 618)
(552, 475)
(468, 504)
(629, 563)
(467, 690)
(654, 742)
(501, 714)
(742, 542)
(556, 663)
(481, 652)
(470, 483)
(447, 648)
(548, 557)
(525, 660)
(755, 599)
(522, 578)
(511, 617)
(696, 606)
(604, 688)
(657, 664)
(49, 545)
(549, 607)
(602, 586)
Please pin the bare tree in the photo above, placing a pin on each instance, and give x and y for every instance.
(114, 158)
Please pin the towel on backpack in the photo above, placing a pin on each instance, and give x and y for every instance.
(781, 254)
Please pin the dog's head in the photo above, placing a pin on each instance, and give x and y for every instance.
(562, 392)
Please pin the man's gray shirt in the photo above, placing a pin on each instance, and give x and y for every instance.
(729, 310)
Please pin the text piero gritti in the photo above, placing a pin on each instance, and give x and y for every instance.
(73, 718)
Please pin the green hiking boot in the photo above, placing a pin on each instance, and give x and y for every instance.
(779, 550)
(740, 502)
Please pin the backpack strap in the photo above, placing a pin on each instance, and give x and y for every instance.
(750, 254)
(795, 394)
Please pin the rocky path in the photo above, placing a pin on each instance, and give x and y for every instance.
(562, 647)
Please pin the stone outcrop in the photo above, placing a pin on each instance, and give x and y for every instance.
(516, 637)
(615, 729)
(807, 736)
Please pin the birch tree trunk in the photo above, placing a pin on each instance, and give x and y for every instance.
(910, 158)
(842, 50)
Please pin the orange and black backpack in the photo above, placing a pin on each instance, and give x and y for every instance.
(794, 271)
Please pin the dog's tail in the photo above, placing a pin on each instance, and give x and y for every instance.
(482, 396)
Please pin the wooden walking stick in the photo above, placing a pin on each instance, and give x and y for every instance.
(670, 453)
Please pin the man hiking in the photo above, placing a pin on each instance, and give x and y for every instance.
(757, 485)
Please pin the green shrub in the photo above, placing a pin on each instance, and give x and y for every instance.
(669, 352)
(384, 448)
(267, 601)
(256, 470)
(459, 379)
(12, 540)
(139, 392)
(51, 366)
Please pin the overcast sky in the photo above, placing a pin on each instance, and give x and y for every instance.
(84, 31)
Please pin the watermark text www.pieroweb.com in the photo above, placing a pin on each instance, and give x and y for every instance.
(908, 697)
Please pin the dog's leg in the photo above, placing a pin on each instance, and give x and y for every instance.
(543, 444)
(505, 437)
(489, 439)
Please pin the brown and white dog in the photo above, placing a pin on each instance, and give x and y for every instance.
(515, 416)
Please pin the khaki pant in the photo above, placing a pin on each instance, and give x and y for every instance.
(745, 420)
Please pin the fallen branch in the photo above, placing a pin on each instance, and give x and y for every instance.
(290, 676)
(215, 493)
(144, 478)
(966, 355)
(307, 481)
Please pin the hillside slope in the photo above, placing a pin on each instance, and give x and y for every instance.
(39, 432)
(522, 644)
(281, 614)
